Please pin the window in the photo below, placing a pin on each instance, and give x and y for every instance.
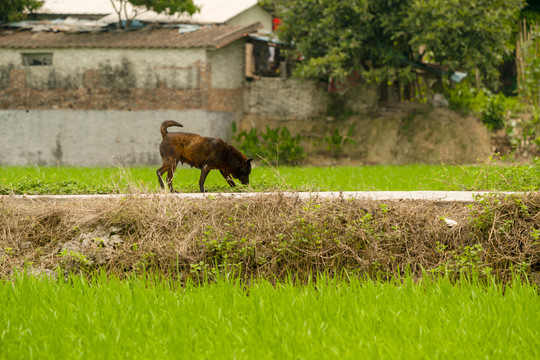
(37, 59)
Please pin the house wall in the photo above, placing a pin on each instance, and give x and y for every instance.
(254, 14)
(285, 98)
(97, 137)
(95, 105)
(300, 105)
(302, 99)
(131, 79)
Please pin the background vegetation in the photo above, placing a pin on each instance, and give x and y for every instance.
(15, 10)
(384, 40)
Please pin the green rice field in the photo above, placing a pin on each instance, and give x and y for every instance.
(337, 319)
(73, 180)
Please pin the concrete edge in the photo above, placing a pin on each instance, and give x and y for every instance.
(436, 196)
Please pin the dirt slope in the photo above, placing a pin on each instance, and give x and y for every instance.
(397, 134)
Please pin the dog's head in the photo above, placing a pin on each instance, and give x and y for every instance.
(242, 173)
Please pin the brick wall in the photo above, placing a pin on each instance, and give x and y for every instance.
(98, 79)
(285, 98)
(301, 99)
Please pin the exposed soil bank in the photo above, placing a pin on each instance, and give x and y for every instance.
(396, 134)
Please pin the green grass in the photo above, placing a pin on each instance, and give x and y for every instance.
(73, 180)
(136, 318)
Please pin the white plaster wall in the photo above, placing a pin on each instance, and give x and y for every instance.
(97, 138)
(250, 16)
(172, 68)
(228, 66)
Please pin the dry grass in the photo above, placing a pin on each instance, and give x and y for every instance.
(272, 236)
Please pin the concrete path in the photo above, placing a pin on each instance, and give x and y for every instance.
(437, 196)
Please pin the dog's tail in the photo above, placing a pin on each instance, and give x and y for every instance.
(166, 124)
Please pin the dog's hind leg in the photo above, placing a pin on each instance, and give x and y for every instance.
(204, 172)
(170, 175)
(228, 178)
(166, 168)
(159, 173)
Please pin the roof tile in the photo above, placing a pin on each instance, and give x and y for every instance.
(148, 37)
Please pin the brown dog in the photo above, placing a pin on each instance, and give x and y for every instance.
(204, 153)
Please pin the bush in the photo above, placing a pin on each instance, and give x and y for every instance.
(276, 146)
(492, 108)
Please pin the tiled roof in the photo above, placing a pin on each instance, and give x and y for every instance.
(215, 36)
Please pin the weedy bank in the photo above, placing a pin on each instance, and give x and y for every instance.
(272, 237)
(346, 318)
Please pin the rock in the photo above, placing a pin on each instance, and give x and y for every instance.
(439, 101)
(73, 245)
(40, 271)
(449, 222)
(113, 230)
(96, 246)
(115, 240)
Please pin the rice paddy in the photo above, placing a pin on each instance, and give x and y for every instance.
(328, 318)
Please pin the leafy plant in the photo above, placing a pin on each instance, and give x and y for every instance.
(523, 131)
(73, 260)
(335, 142)
(167, 7)
(465, 261)
(16, 10)
(492, 108)
(383, 40)
(276, 146)
(494, 111)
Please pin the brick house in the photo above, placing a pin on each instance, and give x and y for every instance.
(87, 98)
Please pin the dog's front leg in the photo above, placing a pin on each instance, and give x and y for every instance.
(228, 178)
(204, 172)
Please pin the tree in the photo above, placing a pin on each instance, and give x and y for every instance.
(531, 12)
(15, 10)
(387, 39)
(168, 7)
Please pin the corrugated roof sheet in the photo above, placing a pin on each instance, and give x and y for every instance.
(215, 36)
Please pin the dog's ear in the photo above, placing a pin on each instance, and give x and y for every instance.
(248, 161)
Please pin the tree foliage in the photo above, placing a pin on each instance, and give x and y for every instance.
(384, 39)
(168, 7)
(15, 10)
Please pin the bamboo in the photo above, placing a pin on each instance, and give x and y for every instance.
(527, 47)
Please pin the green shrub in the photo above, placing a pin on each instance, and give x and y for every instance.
(492, 108)
(276, 146)
(335, 142)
